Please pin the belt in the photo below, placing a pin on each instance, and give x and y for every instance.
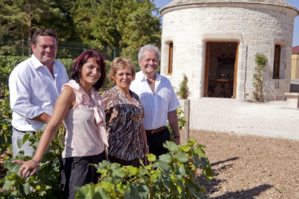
(23, 131)
(155, 130)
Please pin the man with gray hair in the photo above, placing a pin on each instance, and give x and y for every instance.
(158, 99)
(34, 86)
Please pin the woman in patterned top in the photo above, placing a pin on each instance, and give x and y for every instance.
(124, 114)
(80, 107)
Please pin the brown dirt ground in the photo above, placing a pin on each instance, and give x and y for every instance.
(247, 166)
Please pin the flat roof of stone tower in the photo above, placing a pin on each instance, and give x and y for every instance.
(176, 3)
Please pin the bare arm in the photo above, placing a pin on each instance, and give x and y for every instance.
(44, 117)
(64, 102)
(173, 122)
(146, 149)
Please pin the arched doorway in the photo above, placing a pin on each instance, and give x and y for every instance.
(221, 69)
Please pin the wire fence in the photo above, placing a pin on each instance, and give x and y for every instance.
(65, 49)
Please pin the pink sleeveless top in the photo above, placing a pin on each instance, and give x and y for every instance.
(85, 124)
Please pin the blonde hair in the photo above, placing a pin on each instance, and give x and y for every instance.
(119, 63)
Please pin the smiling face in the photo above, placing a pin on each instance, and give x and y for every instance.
(123, 78)
(149, 63)
(90, 73)
(45, 49)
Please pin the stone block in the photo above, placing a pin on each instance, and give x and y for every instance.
(292, 100)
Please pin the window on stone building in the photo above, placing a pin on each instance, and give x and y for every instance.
(276, 66)
(170, 58)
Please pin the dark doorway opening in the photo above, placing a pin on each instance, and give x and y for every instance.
(221, 69)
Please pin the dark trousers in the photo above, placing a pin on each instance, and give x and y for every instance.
(76, 172)
(134, 162)
(155, 142)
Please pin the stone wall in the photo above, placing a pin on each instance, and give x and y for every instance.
(256, 27)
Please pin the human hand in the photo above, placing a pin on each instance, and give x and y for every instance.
(177, 140)
(26, 167)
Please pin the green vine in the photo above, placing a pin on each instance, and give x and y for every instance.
(46, 183)
(258, 80)
(173, 175)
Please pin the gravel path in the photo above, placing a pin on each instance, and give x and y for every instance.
(271, 119)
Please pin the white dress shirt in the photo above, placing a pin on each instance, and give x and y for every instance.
(156, 106)
(34, 91)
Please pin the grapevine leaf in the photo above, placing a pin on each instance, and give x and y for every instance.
(132, 170)
(120, 172)
(107, 186)
(12, 167)
(182, 157)
(165, 158)
(86, 191)
(151, 157)
(171, 146)
(164, 166)
(182, 170)
(133, 192)
(196, 161)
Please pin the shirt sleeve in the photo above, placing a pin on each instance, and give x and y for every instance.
(20, 92)
(174, 102)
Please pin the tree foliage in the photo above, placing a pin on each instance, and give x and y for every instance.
(125, 24)
(114, 26)
(20, 17)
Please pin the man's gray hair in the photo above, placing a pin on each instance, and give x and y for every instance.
(149, 46)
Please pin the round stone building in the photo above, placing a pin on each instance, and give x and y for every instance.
(214, 43)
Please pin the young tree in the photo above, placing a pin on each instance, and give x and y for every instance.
(19, 18)
(111, 25)
(140, 28)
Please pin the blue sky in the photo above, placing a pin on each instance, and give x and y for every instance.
(162, 3)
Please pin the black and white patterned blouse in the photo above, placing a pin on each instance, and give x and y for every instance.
(123, 123)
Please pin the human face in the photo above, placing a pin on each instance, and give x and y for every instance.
(90, 73)
(45, 49)
(123, 78)
(149, 63)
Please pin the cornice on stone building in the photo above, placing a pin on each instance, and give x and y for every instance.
(183, 4)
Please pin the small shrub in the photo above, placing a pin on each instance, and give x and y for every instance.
(184, 90)
(258, 81)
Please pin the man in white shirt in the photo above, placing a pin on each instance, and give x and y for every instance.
(158, 99)
(34, 86)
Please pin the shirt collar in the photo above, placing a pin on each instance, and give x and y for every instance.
(143, 77)
(36, 63)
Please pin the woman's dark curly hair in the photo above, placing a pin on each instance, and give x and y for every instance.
(81, 60)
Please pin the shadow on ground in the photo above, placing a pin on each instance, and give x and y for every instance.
(248, 194)
(212, 186)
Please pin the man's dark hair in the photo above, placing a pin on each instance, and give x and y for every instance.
(43, 32)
